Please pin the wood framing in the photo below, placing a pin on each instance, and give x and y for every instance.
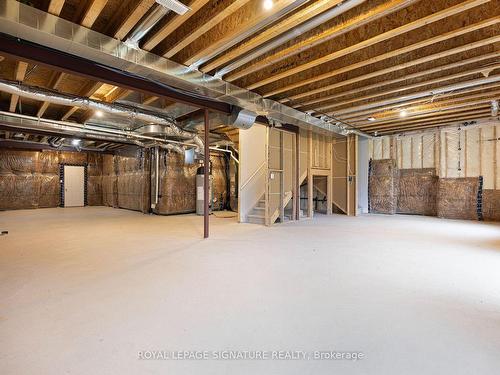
(20, 73)
(364, 59)
(205, 27)
(173, 24)
(263, 37)
(369, 42)
(315, 40)
(55, 7)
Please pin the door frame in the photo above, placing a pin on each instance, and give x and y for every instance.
(61, 182)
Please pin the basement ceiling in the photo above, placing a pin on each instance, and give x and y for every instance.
(381, 66)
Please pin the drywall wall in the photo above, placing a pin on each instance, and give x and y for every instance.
(252, 176)
(362, 174)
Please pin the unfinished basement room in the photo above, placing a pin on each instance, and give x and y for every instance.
(250, 187)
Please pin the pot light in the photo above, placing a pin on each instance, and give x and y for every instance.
(99, 113)
(371, 118)
(403, 113)
(174, 5)
(268, 4)
(76, 142)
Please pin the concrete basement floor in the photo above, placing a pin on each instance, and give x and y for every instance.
(84, 290)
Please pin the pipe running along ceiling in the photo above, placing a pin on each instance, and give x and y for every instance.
(35, 26)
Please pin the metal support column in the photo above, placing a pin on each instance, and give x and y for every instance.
(206, 175)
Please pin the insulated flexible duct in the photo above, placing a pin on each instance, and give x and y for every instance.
(35, 93)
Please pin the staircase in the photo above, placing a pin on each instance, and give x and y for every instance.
(258, 213)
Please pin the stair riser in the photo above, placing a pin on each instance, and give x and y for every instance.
(256, 221)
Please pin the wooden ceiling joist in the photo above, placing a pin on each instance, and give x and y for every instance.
(55, 7)
(115, 94)
(435, 60)
(93, 10)
(256, 21)
(420, 94)
(396, 68)
(91, 14)
(436, 120)
(122, 31)
(203, 28)
(87, 90)
(262, 37)
(133, 18)
(434, 124)
(54, 82)
(444, 117)
(172, 25)
(427, 42)
(149, 100)
(21, 68)
(430, 117)
(437, 112)
(336, 106)
(423, 103)
(425, 111)
(459, 8)
(351, 24)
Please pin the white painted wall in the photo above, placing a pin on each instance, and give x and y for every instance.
(454, 151)
(362, 178)
(252, 180)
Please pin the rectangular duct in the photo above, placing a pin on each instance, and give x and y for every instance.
(35, 26)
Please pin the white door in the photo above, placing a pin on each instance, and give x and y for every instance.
(74, 186)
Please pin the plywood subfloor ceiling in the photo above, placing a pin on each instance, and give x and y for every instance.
(382, 66)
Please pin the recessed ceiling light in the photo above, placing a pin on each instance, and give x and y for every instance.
(403, 113)
(268, 4)
(174, 5)
(75, 142)
(99, 113)
(371, 118)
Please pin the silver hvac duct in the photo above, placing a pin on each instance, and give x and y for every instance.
(176, 148)
(36, 26)
(243, 119)
(294, 33)
(154, 16)
(30, 123)
(35, 124)
(170, 129)
(239, 118)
